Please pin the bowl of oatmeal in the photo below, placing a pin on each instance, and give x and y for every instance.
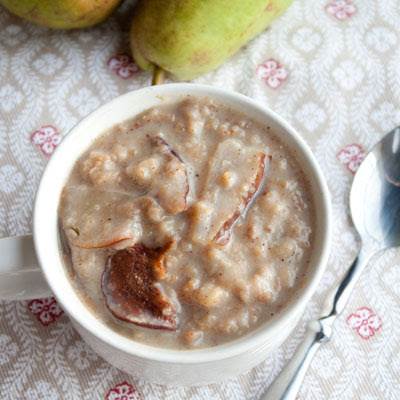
(183, 228)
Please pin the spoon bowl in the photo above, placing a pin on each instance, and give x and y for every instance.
(375, 194)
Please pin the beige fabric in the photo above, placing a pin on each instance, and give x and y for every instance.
(330, 67)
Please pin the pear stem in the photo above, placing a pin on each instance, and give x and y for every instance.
(158, 76)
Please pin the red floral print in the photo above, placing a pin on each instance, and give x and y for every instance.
(123, 391)
(365, 322)
(46, 138)
(123, 66)
(272, 73)
(341, 9)
(351, 156)
(46, 310)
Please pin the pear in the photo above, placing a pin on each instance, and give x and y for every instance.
(191, 37)
(62, 14)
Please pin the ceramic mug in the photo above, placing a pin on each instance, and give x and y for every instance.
(31, 267)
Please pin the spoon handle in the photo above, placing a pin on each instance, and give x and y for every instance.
(287, 384)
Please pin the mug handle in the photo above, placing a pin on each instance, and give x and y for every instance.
(20, 275)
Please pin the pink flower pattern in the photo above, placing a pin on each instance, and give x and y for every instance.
(123, 66)
(123, 391)
(341, 9)
(46, 310)
(46, 138)
(351, 156)
(365, 322)
(272, 73)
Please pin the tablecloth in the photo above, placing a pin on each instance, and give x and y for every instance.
(330, 67)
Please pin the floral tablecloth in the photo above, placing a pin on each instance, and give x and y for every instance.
(330, 67)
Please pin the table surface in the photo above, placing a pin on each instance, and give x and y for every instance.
(330, 67)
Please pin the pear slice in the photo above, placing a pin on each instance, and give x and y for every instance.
(171, 186)
(234, 177)
(96, 219)
(131, 289)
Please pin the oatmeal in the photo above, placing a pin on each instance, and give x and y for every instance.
(187, 226)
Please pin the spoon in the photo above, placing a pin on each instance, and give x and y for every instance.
(375, 210)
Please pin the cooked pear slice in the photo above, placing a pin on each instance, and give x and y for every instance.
(235, 175)
(172, 186)
(96, 219)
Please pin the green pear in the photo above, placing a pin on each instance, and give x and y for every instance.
(62, 14)
(191, 37)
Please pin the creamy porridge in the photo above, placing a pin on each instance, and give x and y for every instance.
(187, 226)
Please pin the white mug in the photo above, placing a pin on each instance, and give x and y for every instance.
(24, 276)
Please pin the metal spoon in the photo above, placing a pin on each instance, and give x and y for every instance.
(375, 210)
